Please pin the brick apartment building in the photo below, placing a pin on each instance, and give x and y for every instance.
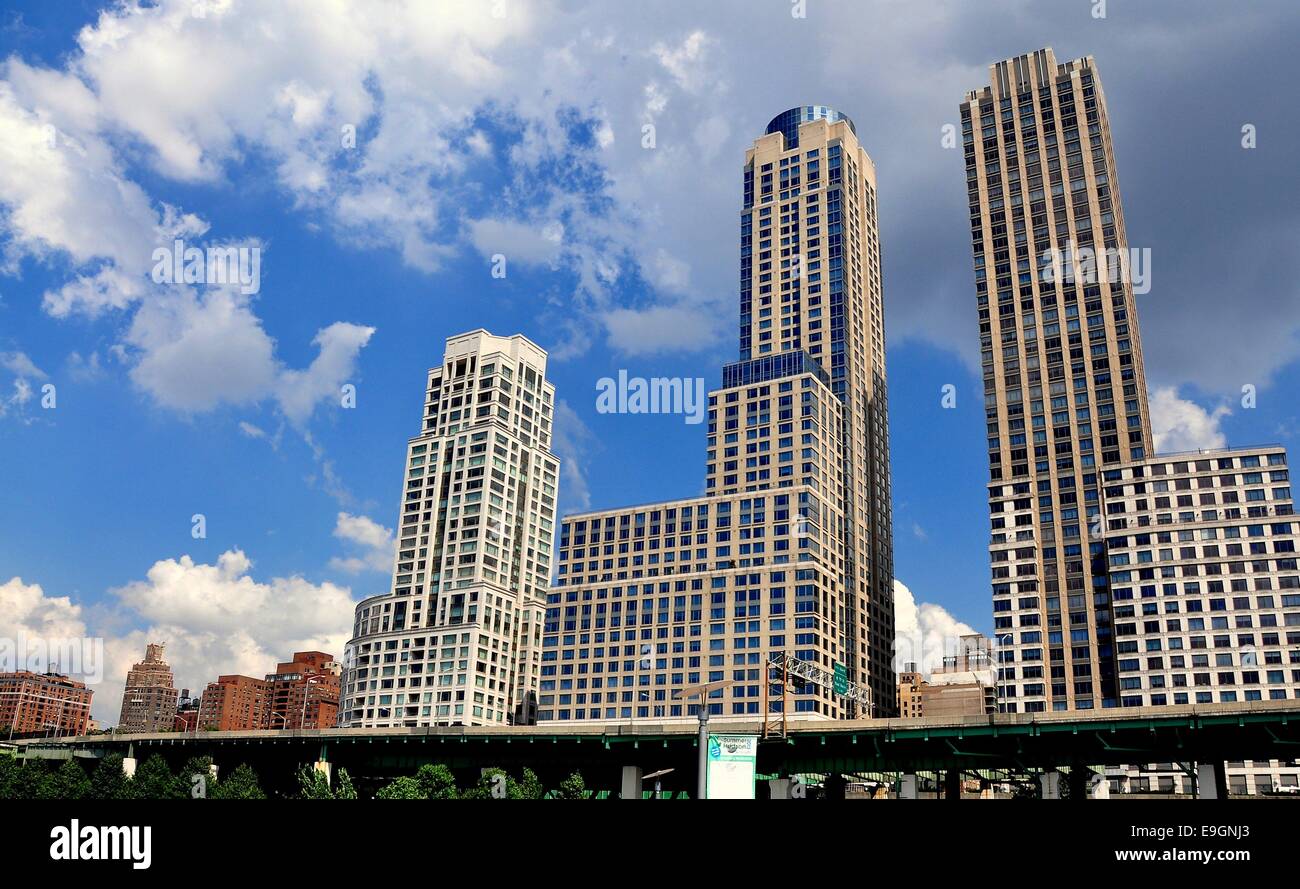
(33, 704)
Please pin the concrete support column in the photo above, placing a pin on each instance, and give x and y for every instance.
(1050, 781)
(1099, 787)
(322, 766)
(1211, 780)
(780, 788)
(952, 784)
(128, 766)
(631, 787)
(907, 787)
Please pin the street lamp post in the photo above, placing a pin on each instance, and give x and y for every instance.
(23, 695)
(702, 779)
(306, 690)
(997, 672)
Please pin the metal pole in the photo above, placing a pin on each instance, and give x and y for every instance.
(785, 697)
(702, 780)
(305, 689)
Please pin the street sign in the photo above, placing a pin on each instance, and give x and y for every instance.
(731, 766)
(838, 681)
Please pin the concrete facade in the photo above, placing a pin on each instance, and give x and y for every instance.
(457, 639)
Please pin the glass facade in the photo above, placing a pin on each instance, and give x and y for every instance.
(787, 122)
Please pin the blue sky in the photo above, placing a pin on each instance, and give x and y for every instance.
(516, 128)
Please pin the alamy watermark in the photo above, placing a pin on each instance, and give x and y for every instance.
(656, 395)
(178, 264)
(81, 656)
(1088, 265)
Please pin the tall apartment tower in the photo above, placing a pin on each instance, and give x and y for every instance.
(457, 639)
(810, 281)
(149, 699)
(788, 552)
(1064, 388)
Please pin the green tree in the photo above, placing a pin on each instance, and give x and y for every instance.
(10, 777)
(436, 782)
(530, 786)
(487, 781)
(313, 785)
(400, 788)
(108, 781)
(68, 781)
(32, 779)
(572, 787)
(241, 784)
(200, 767)
(24, 779)
(154, 780)
(343, 788)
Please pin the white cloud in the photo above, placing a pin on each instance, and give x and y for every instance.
(20, 365)
(25, 609)
(300, 391)
(40, 632)
(679, 328)
(23, 368)
(688, 61)
(219, 619)
(1182, 425)
(518, 241)
(83, 369)
(923, 632)
(251, 430)
(195, 350)
(478, 143)
(199, 93)
(374, 542)
(428, 88)
(572, 442)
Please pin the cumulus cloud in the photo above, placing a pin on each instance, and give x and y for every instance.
(923, 631)
(218, 618)
(660, 329)
(300, 391)
(373, 542)
(24, 370)
(65, 193)
(1178, 424)
(20, 365)
(420, 87)
(82, 368)
(25, 609)
(40, 632)
(214, 618)
(573, 442)
(520, 241)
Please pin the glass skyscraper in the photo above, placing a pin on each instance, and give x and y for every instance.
(789, 550)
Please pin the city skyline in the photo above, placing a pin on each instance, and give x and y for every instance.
(322, 545)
